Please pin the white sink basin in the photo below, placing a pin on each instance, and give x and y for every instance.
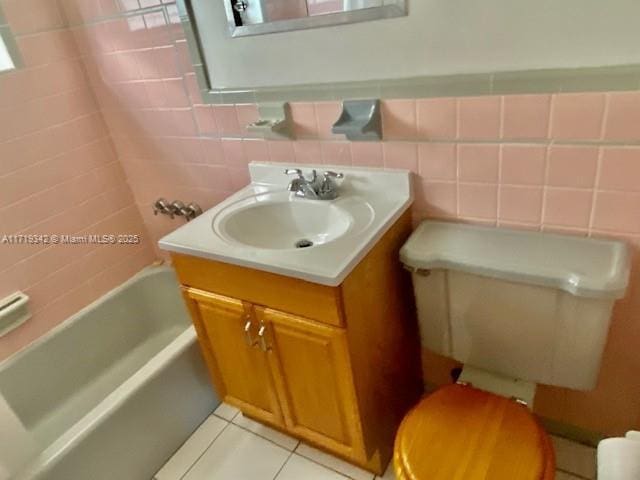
(263, 226)
(271, 222)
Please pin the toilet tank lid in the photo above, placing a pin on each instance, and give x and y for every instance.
(585, 267)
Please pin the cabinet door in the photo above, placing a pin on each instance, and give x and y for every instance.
(311, 368)
(238, 366)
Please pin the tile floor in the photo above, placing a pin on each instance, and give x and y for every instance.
(229, 446)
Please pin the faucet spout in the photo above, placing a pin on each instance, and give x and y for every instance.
(315, 188)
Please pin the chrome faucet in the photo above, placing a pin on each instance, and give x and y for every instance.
(315, 188)
(189, 212)
(176, 208)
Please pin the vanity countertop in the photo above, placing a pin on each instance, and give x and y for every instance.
(251, 228)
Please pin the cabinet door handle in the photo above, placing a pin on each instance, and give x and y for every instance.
(247, 332)
(261, 335)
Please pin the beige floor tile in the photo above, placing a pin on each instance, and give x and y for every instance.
(239, 455)
(226, 411)
(279, 438)
(333, 463)
(575, 458)
(566, 476)
(299, 468)
(389, 474)
(192, 449)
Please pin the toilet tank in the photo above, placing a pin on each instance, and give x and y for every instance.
(528, 305)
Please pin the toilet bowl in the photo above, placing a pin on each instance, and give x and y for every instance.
(460, 432)
(516, 309)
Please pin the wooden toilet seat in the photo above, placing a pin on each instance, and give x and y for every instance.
(462, 433)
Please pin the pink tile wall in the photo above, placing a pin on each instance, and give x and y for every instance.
(566, 163)
(59, 174)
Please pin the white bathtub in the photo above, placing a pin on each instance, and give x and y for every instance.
(113, 391)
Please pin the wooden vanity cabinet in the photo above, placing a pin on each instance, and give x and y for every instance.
(240, 372)
(337, 367)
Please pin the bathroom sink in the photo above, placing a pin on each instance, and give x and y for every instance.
(266, 227)
(283, 222)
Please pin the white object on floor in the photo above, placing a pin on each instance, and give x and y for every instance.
(16, 445)
(619, 458)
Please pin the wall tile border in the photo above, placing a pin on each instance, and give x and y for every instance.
(562, 80)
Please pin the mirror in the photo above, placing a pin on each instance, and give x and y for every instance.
(256, 17)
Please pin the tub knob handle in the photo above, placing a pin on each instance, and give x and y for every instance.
(163, 207)
(247, 332)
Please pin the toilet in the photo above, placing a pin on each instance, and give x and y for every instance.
(516, 308)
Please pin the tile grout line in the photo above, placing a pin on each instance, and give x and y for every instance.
(26, 229)
(58, 156)
(296, 452)
(326, 466)
(577, 475)
(499, 185)
(284, 464)
(457, 179)
(596, 181)
(595, 191)
(545, 185)
(74, 262)
(263, 437)
(630, 143)
(204, 451)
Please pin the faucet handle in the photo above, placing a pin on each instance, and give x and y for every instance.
(330, 174)
(191, 211)
(294, 171)
(194, 211)
(160, 206)
(298, 172)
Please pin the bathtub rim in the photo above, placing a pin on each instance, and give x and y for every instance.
(55, 452)
(147, 271)
(109, 405)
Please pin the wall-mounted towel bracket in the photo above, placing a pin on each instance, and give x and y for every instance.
(275, 121)
(14, 311)
(360, 120)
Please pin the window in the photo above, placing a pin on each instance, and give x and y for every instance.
(6, 62)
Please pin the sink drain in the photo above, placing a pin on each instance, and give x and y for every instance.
(304, 243)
